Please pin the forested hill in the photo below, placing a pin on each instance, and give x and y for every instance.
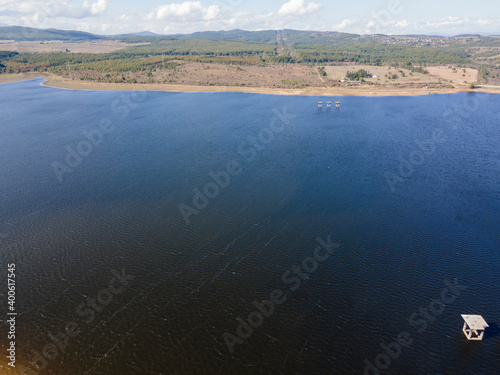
(266, 36)
(282, 37)
(19, 33)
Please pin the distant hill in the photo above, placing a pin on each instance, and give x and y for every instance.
(142, 33)
(265, 36)
(285, 37)
(423, 36)
(19, 33)
(468, 36)
(272, 36)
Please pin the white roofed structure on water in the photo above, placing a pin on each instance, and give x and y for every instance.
(474, 326)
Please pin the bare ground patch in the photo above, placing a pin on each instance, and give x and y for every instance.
(212, 74)
(386, 76)
(455, 74)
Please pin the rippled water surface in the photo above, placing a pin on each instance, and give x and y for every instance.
(409, 187)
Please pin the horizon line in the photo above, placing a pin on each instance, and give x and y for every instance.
(261, 30)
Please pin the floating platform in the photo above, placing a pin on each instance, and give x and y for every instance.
(474, 327)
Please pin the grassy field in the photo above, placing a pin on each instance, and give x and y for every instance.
(5, 78)
(215, 74)
(406, 76)
(104, 46)
(455, 74)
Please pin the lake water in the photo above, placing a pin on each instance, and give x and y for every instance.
(144, 226)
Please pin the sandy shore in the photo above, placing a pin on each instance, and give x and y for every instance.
(6, 78)
(55, 81)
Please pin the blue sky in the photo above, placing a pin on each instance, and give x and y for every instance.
(442, 17)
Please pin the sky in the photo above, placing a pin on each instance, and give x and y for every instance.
(441, 17)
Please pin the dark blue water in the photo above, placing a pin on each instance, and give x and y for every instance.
(118, 271)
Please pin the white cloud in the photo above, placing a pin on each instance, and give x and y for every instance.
(98, 7)
(53, 8)
(403, 23)
(186, 11)
(298, 8)
(87, 10)
(446, 25)
(456, 23)
(348, 22)
(185, 16)
(447, 22)
(484, 22)
(125, 17)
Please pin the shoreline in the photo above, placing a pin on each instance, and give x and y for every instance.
(378, 91)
